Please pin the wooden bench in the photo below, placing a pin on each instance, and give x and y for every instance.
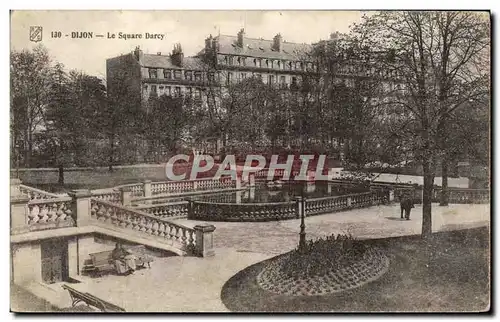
(102, 261)
(91, 300)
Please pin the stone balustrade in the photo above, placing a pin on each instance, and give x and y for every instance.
(242, 212)
(166, 210)
(318, 206)
(463, 196)
(45, 214)
(111, 196)
(36, 194)
(161, 230)
(81, 209)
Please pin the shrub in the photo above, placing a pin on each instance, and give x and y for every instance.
(321, 255)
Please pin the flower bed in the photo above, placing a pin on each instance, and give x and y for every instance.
(326, 266)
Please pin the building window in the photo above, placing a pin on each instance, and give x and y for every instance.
(188, 75)
(167, 74)
(230, 60)
(290, 66)
(255, 62)
(259, 63)
(258, 76)
(178, 74)
(153, 89)
(177, 91)
(160, 90)
(167, 91)
(279, 64)
(197, 76)
(243, 75)
(270, 79)
(229, 79)
(153, 73)
(211, 77)
(294, 81)
(197, 93)
(190, 91)
(283, 79)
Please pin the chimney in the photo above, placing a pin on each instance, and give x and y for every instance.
(277, 40)
(138, 54)
(208, 43)
(241, 38)
(177, 55)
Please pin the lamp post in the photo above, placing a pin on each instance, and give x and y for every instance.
(16, 146)
(302, 234)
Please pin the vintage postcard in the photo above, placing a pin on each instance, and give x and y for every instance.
(250, 161)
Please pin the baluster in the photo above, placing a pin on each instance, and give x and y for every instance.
(177, 235)
(191, 238)
(42, 215)
(170, 232)
(184, 237)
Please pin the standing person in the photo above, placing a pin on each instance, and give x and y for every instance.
(406, 205)
(123, 259)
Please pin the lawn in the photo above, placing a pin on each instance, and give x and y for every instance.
(447, 273)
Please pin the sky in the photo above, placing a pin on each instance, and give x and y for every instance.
(190, 28)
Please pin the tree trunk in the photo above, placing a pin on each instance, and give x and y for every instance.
(427, 199)
(444, 184)
(61, 175)
(111, 152)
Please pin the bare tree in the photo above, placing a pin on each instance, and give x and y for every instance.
(442, 59)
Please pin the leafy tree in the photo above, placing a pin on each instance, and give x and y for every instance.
(29, 81)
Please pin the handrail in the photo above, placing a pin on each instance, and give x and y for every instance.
(50, 200)
(138, 212)
(42, 192)
(246, 203)
(175, 203)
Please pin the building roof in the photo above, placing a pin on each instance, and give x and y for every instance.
(262, 48)
(165, 61)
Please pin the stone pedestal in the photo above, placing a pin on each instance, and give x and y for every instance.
(19, 214)
(81, 206)
(251, 180)
(204, 240)
(147, 188)
(125, 196)
(251, 193)
(14, 187)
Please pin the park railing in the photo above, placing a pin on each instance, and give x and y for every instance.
(141, 222)
(42, 214)
(110, 195)
(324, 205)
(191, 185)
(80, 209)
(217, 211)
(36, 194)
(210, 211)
(463, 196)
(167, 210)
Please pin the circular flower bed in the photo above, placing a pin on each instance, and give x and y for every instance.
(324, 267)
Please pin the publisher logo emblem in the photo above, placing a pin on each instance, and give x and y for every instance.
(36, 33)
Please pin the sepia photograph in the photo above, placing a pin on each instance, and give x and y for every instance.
(245, 161)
